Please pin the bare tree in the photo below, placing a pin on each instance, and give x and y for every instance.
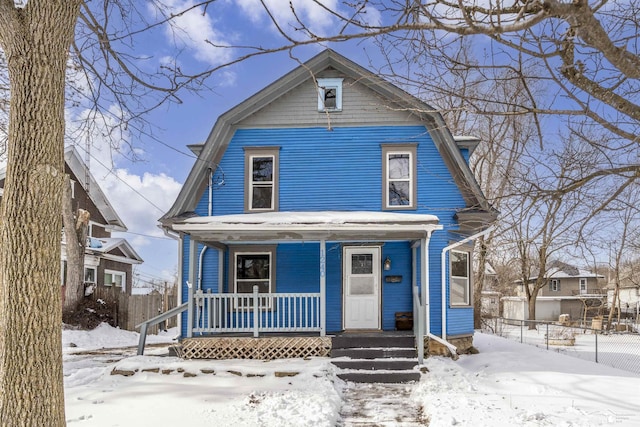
(578, 61)
(546, 221)
(628, 217)
(36, 38)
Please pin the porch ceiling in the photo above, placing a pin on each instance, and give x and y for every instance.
(309, 226)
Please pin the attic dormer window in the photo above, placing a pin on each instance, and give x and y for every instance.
(330, 94)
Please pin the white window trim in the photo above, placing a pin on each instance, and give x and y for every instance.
(582, 281)
(258, 251)
(95, 274)
(271, 183)
(235, 266)
(329, 83)
(117, 273)
(468, 280)
(405, 149)
(554, 285)
(250, 154)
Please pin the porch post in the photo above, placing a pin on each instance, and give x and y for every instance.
(418, 313)
(323, 286)
(193, 265)
(424, 280)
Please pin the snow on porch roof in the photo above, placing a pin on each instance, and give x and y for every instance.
(309, 225)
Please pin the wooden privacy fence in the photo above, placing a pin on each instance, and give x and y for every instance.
(131, 310)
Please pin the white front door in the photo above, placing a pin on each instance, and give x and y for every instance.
(362, 288)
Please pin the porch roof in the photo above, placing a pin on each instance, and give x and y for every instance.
(308, 226)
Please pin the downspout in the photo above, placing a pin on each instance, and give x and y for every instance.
(443, 269)
(209, 211)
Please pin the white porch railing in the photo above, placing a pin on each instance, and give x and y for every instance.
(256, 312)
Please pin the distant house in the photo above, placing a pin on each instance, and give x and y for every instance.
(629, 292)
(490, 296)
(330, 201)
(568, 290)
(108, 261)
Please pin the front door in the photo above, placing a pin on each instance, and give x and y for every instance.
(361, 287)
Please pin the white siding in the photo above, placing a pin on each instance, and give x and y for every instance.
(299, 108)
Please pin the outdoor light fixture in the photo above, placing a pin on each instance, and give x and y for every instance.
(387, 264)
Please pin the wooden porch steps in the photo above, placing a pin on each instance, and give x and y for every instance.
(375, 358)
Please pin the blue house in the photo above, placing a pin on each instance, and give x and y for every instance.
(329, 201)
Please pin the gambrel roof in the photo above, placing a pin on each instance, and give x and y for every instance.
(209, 154)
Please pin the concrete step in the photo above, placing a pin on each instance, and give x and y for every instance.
(376, 364)
(380, 377)
(373, 353)
(372, 340)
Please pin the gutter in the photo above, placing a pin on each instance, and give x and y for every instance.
(443, 270)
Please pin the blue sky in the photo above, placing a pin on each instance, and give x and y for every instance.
(141, 191)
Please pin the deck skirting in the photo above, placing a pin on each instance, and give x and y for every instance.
(263, 348)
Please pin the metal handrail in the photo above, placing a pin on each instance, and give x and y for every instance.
(154, 321)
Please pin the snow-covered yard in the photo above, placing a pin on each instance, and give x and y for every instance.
(506, 384)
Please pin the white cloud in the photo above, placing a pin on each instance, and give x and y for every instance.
(316, 17)
(139, 199)
(193, 29)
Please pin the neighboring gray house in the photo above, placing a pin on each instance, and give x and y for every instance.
(568, 290)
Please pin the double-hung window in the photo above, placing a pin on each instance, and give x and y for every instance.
(261, 179)
(554, 285)
(115, 278)
(253, 266)
(399, 182)
(460, 280)
(329, 94)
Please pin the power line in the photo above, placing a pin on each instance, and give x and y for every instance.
(126, 183)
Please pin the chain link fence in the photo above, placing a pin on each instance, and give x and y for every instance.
(619, 349)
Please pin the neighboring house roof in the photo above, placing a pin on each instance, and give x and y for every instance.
(103, 247)
(478, 209)
(80, 170)
(559, 273)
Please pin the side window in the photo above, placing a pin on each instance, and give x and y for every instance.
(399, 180)
(115, 278)
(261, 179)
(554, 285)
(90, 275)
(459, 283)
(330, 94)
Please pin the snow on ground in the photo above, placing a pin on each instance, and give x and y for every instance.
(506, 384)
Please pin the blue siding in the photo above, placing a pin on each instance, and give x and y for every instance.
(396, 297)
(341, 169)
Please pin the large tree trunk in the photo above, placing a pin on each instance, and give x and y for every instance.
(75, 231)
(35, 40)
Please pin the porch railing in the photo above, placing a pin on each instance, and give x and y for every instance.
(256, 312)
